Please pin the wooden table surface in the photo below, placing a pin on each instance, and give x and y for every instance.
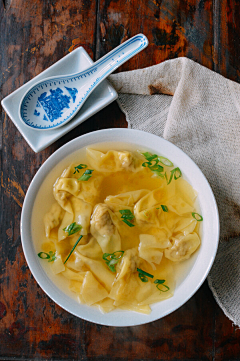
(35, 34)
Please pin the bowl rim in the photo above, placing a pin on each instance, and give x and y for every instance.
(59, 297)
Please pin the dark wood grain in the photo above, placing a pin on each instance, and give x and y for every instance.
(33, 35)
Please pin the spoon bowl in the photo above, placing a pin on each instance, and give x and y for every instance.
(54, 101)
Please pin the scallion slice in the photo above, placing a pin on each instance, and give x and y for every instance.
(128, 223)
(143, 275)
(75, 245)
(165, 161)
(164, 208)
(86, 175)
(80, 166)
(156, 167)
(176, 173)
(146, 164)
(197, 216)
(72, 228)
(43, 255)
(160, 283)
(149, 156)
(112, 259)
(127, 216)
(50, 256)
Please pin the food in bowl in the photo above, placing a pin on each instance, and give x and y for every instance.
(120, 222)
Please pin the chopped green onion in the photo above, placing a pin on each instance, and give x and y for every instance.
(128, 223)
(75, 245)
(159, 283)
(197, 216)
(143, 275)
(146, 164)
(125, 211)
(156, 168)
(149, 156)
(165, 161)
(72, 228)
(43, 255)
(86, 175)
(51, 256)
(164, 208)
(80, 166)
(112, 259)
(176, 172)
(127, 216)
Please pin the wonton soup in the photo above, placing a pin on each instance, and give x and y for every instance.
(118, 223)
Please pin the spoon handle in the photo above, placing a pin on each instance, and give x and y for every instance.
(111, 61)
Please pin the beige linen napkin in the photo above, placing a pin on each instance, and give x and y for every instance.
(199, 111)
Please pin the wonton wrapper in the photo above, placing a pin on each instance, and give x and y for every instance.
(81, 213)
(57, 266)
(182, 247)
(88, 190)
(91, 291)
(98, 269)
(125, 200)
(150, 249)
(113, 161)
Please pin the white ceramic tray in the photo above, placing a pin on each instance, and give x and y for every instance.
(74, 62)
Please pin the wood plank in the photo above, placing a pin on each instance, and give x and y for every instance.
(227, 39)
(174, 28)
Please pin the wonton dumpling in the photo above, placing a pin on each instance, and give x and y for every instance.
(150, 249)
(112, 161)
(125, 200)
(53, 218)
(182, 247)
(148, 208)
(85, 190)
(104, 230)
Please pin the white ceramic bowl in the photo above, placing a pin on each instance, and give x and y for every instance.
(193, 272)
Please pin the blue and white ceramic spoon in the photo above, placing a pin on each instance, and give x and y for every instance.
(52, 102)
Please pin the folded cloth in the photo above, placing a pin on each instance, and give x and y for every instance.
(199, 111)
